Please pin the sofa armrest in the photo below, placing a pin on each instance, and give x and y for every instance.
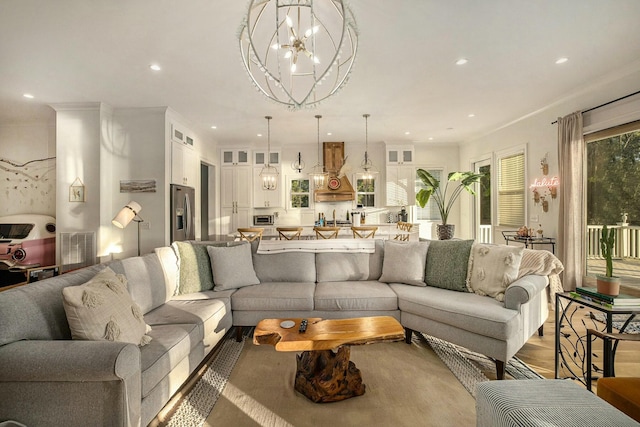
(63, 360)
(523, 290)
(67, 382)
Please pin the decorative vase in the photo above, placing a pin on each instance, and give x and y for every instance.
(445, 231)
(608, 285)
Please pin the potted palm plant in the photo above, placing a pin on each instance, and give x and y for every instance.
(444, 201)
(608, 284)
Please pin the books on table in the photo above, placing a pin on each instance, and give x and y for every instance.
(620, 300)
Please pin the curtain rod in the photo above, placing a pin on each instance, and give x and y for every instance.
(605, 104)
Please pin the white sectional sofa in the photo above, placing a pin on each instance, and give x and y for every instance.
(103, 382)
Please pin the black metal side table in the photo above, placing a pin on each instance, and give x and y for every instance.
(570, 351)
(512, 236)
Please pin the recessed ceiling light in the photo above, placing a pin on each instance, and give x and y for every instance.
(214, 127)
(155, 67)
(407, 133)
(28, 95)
(471, 115)
(562, 60)
(329, 133)
(430, 138)
(259, 134)
(462, 61)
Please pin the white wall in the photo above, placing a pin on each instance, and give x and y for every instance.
(30, 188)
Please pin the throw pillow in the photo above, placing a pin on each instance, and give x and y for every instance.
(448, 264)
(194, 268)
(102, 309)
(494, 268)
(232, 267)
(404, 262)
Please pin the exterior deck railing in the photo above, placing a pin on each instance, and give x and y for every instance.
(627, 241)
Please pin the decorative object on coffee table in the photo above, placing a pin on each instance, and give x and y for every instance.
(433, 189)
(322, 375)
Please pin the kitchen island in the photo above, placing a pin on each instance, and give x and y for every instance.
(385, 231)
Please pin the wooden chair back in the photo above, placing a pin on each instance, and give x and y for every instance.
(289, 233)
(406, 227)
(364, 232)
(251, 234)
(326, 232)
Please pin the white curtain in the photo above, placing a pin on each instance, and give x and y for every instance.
(572, 221)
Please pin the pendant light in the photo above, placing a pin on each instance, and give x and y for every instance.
(367, 171)
(318, 174)
(269, 174)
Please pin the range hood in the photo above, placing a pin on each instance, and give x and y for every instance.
(338, 189)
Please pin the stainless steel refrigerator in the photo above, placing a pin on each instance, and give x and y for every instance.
(182, 213)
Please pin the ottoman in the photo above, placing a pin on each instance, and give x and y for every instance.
(546, 403)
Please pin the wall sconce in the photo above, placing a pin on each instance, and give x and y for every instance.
(298, 165)
(544, 165)
(126, 215)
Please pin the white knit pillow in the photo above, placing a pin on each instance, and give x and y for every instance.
(494, 268)
(102, 309)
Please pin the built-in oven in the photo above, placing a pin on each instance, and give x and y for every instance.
(263, 220)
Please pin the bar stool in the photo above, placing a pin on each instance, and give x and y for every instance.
(326, 232)
(403, 226)
(364, 232)
(289, 233)
(251, 234)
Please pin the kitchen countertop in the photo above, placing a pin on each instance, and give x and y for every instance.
(385, 231)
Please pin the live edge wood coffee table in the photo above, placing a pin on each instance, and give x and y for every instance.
(322, 375)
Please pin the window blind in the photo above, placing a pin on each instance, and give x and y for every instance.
(430, 211)
(511, 191)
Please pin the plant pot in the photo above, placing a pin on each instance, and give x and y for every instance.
(608, 285)
(445, 231)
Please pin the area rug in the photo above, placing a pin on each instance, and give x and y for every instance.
(618, 321)
(406, 384)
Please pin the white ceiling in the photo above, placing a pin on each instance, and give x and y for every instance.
(405, 74)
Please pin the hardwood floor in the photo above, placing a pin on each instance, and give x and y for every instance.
(539, 352)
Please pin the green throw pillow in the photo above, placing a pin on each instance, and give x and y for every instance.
(195, 268)
(448, 264)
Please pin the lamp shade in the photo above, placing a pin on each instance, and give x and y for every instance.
(126, 214)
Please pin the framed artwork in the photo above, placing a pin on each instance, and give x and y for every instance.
(138, 186)
(76, 191)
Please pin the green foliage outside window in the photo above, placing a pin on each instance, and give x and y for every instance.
(300, 193)
(365, 192)
(613, 179)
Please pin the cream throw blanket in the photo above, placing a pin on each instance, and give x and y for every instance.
(543, 263)
(317, 246)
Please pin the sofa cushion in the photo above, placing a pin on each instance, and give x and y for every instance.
(354, 295)
(404, 262)
(145, 280)
(287, 267)
(232, 267)
(493, 268)
(464, 310)
(102, 309)
(170, 345)
(448, 264)
(340, 267)
(274, 296)
(204, 313)
(195, 268)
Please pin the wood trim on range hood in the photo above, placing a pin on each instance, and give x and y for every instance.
(333, 158)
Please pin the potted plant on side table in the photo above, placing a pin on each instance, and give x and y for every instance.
(464, 180)
(608, 284)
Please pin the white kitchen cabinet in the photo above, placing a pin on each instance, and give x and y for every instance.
(260, 157)
(235, 197)
(235, 157)
(400, 154)
(265, 198)
(400, 188)
(184, 165)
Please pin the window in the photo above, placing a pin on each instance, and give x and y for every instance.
(511, 190)
(299, 194)
(430, 211)
(366, 192)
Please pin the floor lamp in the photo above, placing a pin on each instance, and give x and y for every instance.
(127, 214)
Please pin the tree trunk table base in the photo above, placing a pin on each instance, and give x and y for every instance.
(324, 376)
